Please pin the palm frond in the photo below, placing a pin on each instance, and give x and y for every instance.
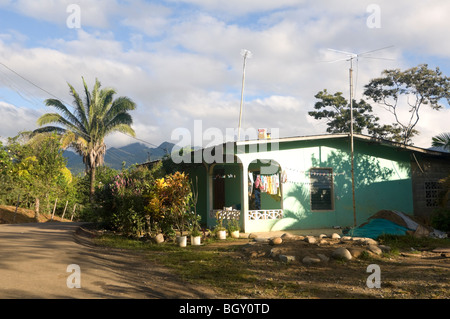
(441, 140)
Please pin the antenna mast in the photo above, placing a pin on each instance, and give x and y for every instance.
(351, 57)
(246, 54)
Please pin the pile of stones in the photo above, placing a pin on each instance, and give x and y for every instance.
(350, 247)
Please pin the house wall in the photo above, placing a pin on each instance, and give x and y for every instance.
(382, 181)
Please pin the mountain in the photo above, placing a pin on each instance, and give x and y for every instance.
(135, 153)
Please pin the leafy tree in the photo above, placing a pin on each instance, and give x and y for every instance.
(38, 169)
(93, 118)
(418, 86)
(335, 109)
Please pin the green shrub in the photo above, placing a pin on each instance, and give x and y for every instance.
(440, 219)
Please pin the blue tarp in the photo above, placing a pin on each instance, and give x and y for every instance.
(377, 227)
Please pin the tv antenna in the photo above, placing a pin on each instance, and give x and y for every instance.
(350, 57)
(246, 55)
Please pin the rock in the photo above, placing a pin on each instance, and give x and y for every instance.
(335, 236)
(261, 240)
(257, 254)
(385, 248)
(311, 239)
(346, 238)
(159, 238)
(243, 235)
(311, 260)
(368, 241)
(274, 252)
(322, 236)
(275, 241)
(421, 232)
(252, 236)
(356, 252)
(287, 236)
(323, 242)
(375, 249)
(286, 258)
(323, 258)
(341, 253)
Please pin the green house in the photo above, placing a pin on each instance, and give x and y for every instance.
(306, 182)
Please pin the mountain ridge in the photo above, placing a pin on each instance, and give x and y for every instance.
(135, 153)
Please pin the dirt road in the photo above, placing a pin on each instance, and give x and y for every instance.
(34, 260)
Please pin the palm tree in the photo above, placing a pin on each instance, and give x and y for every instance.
(93, 118)
(441, 140)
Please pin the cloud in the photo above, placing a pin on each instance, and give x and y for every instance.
(16, 119)
(180, 60)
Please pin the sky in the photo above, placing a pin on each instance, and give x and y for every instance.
(180, 60)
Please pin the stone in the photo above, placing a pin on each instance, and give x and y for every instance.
(286, 258)
(252, 236)
(311, 239)
(375, 249)
(159, 238)
(323, 242)
(311, 260)
(335, 236)
(275, 241)
(385, 248)
(346, 238)
(288, 236)
(322, 236)
(243, 235)
(421, 232)
(274, 252)
(257, 254)
(261, 239)
(323, 258)
(368, 241)
(341, 253)
(355, 251)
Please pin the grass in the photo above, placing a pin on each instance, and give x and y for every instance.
(222, 267)
(208, 264)
(411, 243)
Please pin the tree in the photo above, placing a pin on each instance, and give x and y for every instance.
(442, 141)
(418, 86)
(38, 169)
(335, 109)
(94, 118)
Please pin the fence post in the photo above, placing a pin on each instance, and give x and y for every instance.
(64, 212)
(73, 212)
(54, 208)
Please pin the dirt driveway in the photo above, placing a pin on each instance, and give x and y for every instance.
(35, 258)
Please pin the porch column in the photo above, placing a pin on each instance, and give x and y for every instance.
(244, 194)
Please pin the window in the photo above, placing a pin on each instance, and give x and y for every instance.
(432, 190)
(321, 180)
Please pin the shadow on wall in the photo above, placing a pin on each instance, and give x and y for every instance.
(373, 182)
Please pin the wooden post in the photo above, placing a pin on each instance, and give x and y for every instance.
(64, 212)
(54, 208)
(17, 206)
(73, 212)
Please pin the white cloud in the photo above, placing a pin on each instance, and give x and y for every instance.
(182, 63)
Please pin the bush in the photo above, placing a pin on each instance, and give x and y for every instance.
(440, 219)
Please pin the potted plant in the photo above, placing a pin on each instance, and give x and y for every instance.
(219, 229)
(234, 228)
(196, 234)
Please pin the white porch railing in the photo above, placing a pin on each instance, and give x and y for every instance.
(260, 214)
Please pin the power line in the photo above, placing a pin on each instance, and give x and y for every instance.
(69, 104)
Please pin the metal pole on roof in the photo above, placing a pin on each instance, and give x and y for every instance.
(351, 141)
(246, 54)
